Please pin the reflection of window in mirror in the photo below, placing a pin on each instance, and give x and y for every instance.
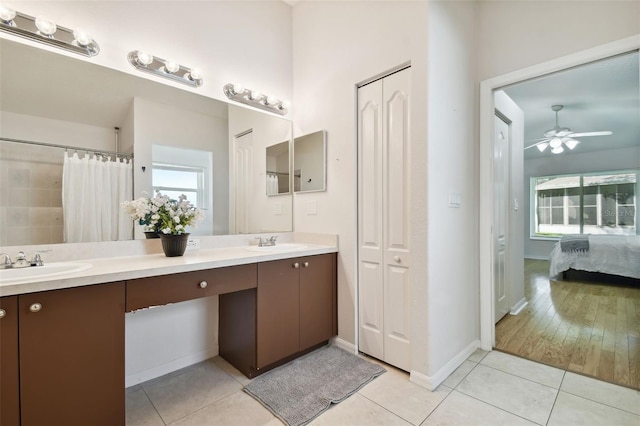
(185, 171)
(277, 169)
(309, 162)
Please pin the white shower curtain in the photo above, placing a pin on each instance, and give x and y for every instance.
(92, 190)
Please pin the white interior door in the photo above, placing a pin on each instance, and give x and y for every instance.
(370, 241)
(243, 169)
(397, 256)
(500, 224)
(383, 219)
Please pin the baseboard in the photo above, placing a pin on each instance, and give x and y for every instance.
(432, 382)
(173, 365)
(536, 257)
(518, 307)
(343, 344)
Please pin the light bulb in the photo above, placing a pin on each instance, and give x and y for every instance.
(557, 150)
(7, 14)
(542, 146)
(144, 58)
(255, 95)
(195, 74)
(272, 100)
(284, 105)
(571, 143)
(46, 26)
(82, 38)
(555, 143)
(238, 88)
(171, 66)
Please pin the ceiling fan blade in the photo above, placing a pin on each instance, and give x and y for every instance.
(535, 144)
(579, 135)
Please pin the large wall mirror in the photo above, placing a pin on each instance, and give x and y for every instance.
(59, 100)
(310, 162)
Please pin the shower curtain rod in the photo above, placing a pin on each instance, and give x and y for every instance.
(66, 147)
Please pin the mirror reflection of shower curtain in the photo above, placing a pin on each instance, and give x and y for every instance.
(92, 190)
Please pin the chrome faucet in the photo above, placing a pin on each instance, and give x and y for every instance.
(21, 260)
(267, 242)
(5, 261)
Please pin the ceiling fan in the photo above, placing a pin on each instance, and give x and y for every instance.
(559, 136)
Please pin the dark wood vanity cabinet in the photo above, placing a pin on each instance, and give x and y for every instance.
(71, 357)
(9, 363)
(292, 310)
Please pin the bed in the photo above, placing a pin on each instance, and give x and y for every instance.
(607, 254)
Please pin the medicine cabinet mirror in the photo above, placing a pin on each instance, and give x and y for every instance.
(310, 162)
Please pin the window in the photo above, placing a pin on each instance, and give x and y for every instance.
(174, 180)
(595, 203)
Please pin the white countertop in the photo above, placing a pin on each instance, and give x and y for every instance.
(111, 269)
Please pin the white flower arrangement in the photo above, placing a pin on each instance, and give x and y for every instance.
(163, 215)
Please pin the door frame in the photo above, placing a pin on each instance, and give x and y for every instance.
(487, 108)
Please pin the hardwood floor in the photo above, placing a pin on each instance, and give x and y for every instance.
(578, 325)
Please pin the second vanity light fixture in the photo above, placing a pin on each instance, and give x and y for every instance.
(237, 92)
(46, 31)
(165, 68)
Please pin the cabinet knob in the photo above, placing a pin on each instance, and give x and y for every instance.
(306, 264)
(203, 284)
(397, 259)
(296, 265)
(3, 313)
(35, 307)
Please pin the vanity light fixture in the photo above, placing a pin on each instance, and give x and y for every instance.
(165, 68)
(237, 92)
(46, 31)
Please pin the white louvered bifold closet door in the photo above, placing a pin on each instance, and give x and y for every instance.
(383, 219)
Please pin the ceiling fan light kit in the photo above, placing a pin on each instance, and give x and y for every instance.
(560, 137)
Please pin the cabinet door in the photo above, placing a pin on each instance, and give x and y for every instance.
(277, 311)
(72, 356)
(9, 382)
(317, 284)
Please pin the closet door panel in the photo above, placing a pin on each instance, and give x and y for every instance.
(370, 228)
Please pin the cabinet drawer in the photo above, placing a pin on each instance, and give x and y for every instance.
(165, 289)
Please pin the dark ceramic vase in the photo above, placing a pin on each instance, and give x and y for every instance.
(151, 234)
(174, 245)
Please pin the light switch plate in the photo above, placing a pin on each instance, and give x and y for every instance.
(312, 207)
(193, 243)
(455, 199)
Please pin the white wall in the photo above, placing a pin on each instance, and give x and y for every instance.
(618, 159)
(452, 167)
(517, 34)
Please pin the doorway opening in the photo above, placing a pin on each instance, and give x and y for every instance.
(560, 295)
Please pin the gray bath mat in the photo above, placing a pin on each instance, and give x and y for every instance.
(301, 390)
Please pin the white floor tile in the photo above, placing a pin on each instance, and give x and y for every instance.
(477, 355)
(524, 368)
(603, 392)
(140, 411)
(196, 387)
(358, 411)
(231, 370)
(516, 395)
(571, 410)
(460, 409)
(396, 393)
(459, 374)
(236, 409)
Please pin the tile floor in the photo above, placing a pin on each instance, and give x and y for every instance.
(490, 388)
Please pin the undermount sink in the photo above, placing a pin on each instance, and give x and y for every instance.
(278, 248)
(9, 276)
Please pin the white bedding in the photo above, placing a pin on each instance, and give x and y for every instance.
(609, 254)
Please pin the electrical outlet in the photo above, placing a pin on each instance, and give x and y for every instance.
(193, 243)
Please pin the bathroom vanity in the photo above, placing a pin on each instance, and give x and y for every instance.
(62, 351)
